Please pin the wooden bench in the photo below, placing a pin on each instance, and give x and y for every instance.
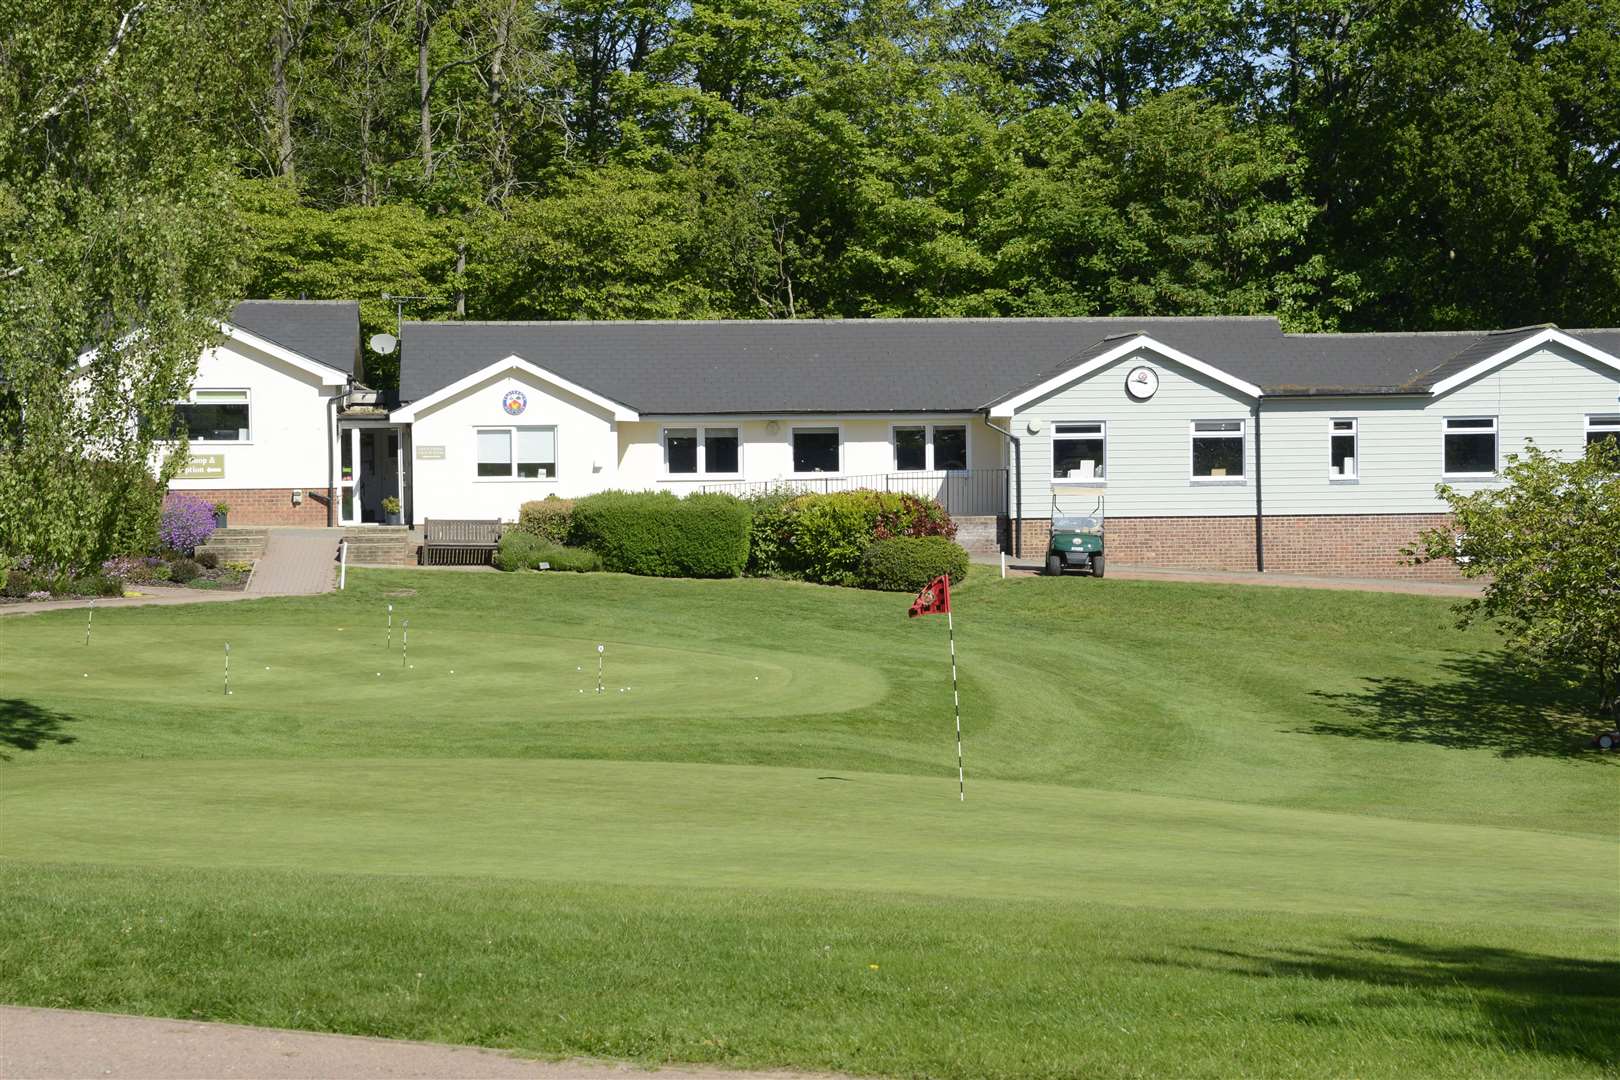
(459, 541)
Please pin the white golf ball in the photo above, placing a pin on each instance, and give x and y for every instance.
(579, 669)
(87, 674)
(411, 666)
(267, 667)
(452, 671)
(379, 674)
(582, 691)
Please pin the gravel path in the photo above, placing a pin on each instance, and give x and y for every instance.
(42, 1044)
(1024, 567)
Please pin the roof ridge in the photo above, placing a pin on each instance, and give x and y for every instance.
(857, 321)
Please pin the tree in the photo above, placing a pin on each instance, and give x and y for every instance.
(1548, 545)
(116, 259)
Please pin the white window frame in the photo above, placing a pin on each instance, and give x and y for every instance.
(511, 433)
(928, 446)
(1600, 424)
(1354, 434)
(703, 472)
(1242, 436)
(191, 399)
(793, 433)
(1495, 432)
(1099, 481)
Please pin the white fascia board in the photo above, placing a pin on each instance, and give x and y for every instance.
(329, 375)
(1513, 352)
(618, 410)
(1006, 407)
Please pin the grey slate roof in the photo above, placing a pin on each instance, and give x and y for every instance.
(914, 365)
(323, 330)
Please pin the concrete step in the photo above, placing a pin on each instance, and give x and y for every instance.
(382, 546)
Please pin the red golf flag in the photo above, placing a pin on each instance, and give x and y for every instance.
(933, 600)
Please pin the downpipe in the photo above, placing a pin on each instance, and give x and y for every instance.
(1015, 529)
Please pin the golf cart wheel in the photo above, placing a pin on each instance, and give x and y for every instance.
(1097, 565)
(1606, 742)
(1054, 565)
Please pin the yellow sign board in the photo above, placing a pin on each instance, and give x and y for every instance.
(203, 467)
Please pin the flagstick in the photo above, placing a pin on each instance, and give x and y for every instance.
(404, 642)
(390, 642)
(600, 688)
(956, 702)
(227, 667)
(87, 620)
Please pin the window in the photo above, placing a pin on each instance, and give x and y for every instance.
(1079, 451)
(536, 453)
(915, 451)
(1599, 428)
(681, 450)
(214, 416)
(689, 451)
(721, 450)
(1470, 445)
(495, 453)
(815, 450)
(1343, 453)
(950, 448)
(1217, 449)
(910, 449)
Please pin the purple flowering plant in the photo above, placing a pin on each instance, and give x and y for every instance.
(186, 523)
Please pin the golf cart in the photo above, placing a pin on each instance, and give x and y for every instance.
(1077, 540)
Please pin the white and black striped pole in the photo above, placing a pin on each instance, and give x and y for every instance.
(404, 641)
(227, 667)
(956, 702)
(389, 644)
(87, 620)
(600, 687)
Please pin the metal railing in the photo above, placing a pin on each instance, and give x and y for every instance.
(962, 492)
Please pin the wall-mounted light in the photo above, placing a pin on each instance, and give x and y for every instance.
(1034, 426)
(772, 427)
(298, 497)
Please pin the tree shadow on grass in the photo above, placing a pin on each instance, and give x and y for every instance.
(1530, 1002)
(26, 726)
(1480, 700)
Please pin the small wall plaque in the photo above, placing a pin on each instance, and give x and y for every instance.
(203, 467)
(429, 453)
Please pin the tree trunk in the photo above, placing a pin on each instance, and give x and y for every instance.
(424, 86)
(281, 98)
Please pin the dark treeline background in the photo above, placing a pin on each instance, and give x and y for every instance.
(1349, 164)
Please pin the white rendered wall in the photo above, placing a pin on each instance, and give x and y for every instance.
(289, 416)
(587, 450)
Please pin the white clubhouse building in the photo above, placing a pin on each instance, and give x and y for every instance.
(1211, 442)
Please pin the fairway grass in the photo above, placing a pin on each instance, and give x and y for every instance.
(1209, 831)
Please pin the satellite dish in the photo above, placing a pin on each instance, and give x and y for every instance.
(383, 343)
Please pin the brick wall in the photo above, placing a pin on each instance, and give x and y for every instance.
(267, 506)
(1351, 545)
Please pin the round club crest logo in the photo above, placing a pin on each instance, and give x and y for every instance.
(514, 403)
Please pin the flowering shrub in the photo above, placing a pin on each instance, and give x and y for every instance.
(186, 523)
(39, 594)
(131, 567)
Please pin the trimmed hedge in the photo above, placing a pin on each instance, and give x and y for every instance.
(551, 518)
(656, 534)
(824, 537)
(521, 550)
(907, 563)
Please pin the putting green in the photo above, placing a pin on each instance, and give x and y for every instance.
(499, 675)
(665, 824)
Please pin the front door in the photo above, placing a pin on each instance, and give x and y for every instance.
(349, 476)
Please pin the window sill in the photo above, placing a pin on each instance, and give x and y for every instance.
(514, 479)
(700, 478)
(1217, 481)
(1469, 478)
(1066, 482)
(1346, 480)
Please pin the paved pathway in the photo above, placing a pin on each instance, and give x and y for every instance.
(296, 562)
(149, 594)
(40, 1044)
(1026, 568)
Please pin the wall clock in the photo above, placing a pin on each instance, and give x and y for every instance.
(1142, 383)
